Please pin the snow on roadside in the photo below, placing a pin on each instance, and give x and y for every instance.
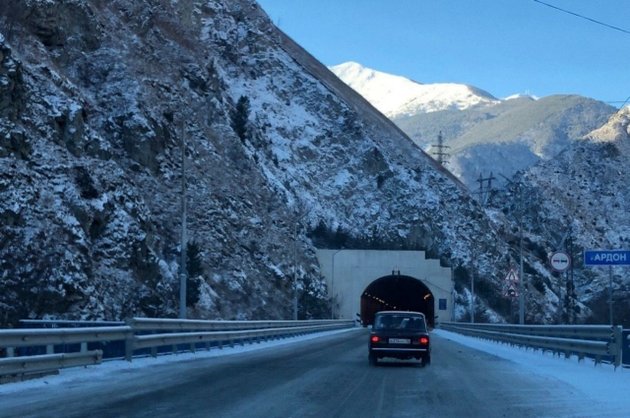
(601, 382)
(111, 369)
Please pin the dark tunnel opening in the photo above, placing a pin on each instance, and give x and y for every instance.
(397, 293)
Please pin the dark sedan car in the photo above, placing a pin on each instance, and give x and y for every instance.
(401, 335)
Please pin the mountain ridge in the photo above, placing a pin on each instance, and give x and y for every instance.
(485, 134)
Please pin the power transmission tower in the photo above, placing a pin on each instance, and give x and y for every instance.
(485, 193)
(441, 154)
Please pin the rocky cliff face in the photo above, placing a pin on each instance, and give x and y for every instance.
(575, 202)
(103, 106)
(100, 98)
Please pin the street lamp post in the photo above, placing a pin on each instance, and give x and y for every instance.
(521, 278)
(183, 277)
(473, 258)
(295, 287)
(472, 296)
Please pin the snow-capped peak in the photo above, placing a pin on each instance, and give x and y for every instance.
(521, 96)
(399, 96)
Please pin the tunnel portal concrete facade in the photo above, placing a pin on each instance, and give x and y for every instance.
(348, 274)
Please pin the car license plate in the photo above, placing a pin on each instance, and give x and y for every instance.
(399, 341)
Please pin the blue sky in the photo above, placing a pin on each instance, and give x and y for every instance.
(502, 46)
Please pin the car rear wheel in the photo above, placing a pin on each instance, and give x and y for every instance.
(373, 360)
(426, 360)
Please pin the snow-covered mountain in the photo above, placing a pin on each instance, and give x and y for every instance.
(397, 96)
(483, 134)
(106, 106)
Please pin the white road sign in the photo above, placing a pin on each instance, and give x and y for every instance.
(559, 261)
(511, 282)
(512, 276)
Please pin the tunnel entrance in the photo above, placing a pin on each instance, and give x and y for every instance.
(397, 293)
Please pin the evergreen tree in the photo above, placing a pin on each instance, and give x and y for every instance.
(240, 117)
(194, 268)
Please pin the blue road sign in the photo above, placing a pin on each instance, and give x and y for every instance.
(606, 257)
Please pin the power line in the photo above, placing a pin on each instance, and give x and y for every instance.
(583, 17)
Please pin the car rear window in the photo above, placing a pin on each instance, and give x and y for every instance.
(400, 321)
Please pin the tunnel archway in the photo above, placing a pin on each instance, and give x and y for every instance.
(397, 293)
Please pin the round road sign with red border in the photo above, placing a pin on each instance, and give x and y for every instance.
(560, 261)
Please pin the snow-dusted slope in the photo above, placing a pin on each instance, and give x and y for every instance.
(96, 105)
(398, 96)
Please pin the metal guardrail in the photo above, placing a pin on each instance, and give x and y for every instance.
(154, 341)
(55, 336)
(151, 324)
(597, 341)
(66, 323)
(222, 332)
(48, 362)
(140, 334)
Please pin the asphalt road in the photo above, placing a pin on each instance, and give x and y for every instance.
(323, 377)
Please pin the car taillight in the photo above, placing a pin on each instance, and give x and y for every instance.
(424, 341)
(375, 339)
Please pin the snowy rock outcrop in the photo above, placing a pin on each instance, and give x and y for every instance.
(575, 202)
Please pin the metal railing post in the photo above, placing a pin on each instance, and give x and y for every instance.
(618, 339)
(129, 346)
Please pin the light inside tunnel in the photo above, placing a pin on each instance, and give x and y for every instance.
(398, 293)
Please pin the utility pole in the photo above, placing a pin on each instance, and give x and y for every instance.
(610, 296)
(570, 282)
(472, 296)
(295, 287)
(521, 279)
(472, 286)
(441, 153)
(519, 220)
(570, 299)
(183, 276)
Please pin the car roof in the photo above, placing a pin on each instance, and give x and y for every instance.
(400, 312)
